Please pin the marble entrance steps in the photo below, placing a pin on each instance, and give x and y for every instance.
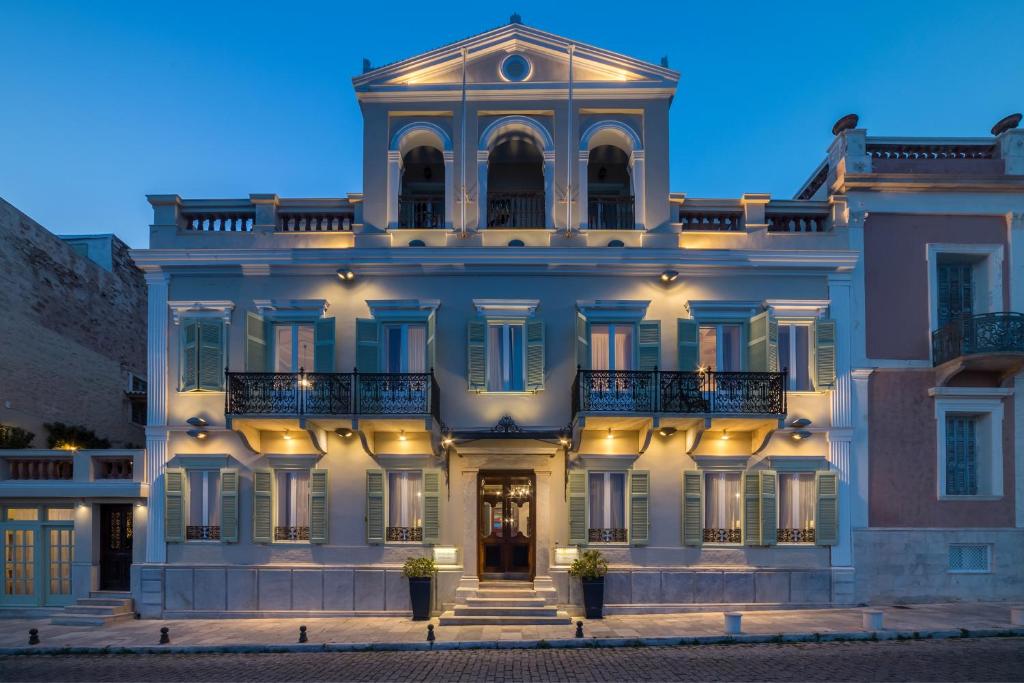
(99, 609)
(504, 603)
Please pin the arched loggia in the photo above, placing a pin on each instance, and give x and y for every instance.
(420, 170)
(611, 172)
(515, 174)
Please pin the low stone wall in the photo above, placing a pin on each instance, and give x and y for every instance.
(674, 589)
(912, 565)
(170, 591)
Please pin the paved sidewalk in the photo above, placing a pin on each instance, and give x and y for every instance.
(935, 621)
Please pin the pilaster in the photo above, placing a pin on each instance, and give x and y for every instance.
(469, 583)
(840, 435)
(449, 189)
(549, 190)
(638, 165)
(156, 425)
(482, 157)
(395, 184)
(582, 164)
(543, 584)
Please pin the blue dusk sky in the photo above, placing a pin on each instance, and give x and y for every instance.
(102, 103)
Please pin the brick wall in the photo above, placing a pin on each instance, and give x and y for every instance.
(70, 332)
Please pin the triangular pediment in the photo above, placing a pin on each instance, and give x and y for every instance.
(546, 54)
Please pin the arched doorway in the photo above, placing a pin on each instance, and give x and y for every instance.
(421, 198)
(515, 183)
(609, 189)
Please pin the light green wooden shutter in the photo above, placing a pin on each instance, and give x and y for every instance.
(431, 506)
(189, 356)
(582, 342)
(367, 345)
(211, 355)
(262, 506)
(824, 354)
(174, 505)
(228, 505)
(476, 355)
(769, 506)
(751, 508)
(577, 508)
(688, 335)
(534, 355)
(649, 345)
(318, 512)
(693, 508)
(255, 343)
(639, 507)
(431, 344)
(763, 344)
(826, 523)
(323, 346)
(374, 506)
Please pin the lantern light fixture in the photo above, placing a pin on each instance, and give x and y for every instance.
(198, 433)
(669, 275)
(800, 435)
(667, 431)
(197, 422)
(800, 423)
(344, 432)
(346, 274)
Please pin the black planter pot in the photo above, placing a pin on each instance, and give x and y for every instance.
(593, 597)
(419, 596)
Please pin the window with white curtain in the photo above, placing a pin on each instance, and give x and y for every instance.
(203, 522)
(721, 347)
(607, 492)
(405, 494)
(795, 355)
(797, 500)
(612, 346)
(722, 507)
(293, 347)
(292, 505)
(505, 357)
(405, 347)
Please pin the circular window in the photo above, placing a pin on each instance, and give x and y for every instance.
(516, 68)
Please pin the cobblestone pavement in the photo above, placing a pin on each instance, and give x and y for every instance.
(983, 659)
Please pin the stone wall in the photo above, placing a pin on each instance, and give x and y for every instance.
(71, 333)
(912, 565)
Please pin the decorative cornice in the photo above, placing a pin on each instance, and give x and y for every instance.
(402, 309)
(291, 309)
(797, 308)
(201, 309)
(711, 310)
(506, 308)
(613, 309)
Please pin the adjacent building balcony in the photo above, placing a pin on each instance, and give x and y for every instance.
(610, 213)
(332, 394)
(421, 211)
(987, 342)
(72, 473)
(515, 210)
(708, 394)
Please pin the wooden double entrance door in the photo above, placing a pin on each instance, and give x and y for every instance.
(506, 504)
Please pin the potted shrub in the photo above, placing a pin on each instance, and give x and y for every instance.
(591, 567)
(419, 571)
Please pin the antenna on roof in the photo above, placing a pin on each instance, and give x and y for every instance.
(664, 61)
(515, 19)
(366, 65)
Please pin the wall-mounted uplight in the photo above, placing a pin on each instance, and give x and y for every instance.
(801, 435)
(610, 435)
(725, 435)
(287, 435)
(563, 438)
(669, 275)
(667, 431)
(343, 432)
(197, 422)
(402, 436)
(447, 440)
(346, 274)
(800, 423)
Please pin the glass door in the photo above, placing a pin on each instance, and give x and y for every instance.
(60, 550)
(506, 524)
(19, 578)
(115, 547)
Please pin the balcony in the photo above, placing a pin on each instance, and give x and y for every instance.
(108, 473)
(722, 394)
(986, 342)
(610, 213)
(515, 210)
(421, 211)
(323, 394)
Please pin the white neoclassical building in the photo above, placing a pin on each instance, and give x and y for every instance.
(515, 343)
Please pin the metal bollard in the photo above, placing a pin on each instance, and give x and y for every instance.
(733, 623)
(302, 635)
(579, 629)
(873, 619)
(33, 636)
(165, 638)
(430, 634)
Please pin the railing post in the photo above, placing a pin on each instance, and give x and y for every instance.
(355, 391)
(227, 391)
(300, 391)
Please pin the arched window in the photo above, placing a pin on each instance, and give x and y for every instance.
(421, 199)
(609, 190)
(515, 183)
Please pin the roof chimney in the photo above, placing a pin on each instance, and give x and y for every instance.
(1006, 123)
(664, 61)
(515, 19)
(366, 65)
(848, 122)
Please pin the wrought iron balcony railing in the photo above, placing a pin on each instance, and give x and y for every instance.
(421, 211)
(332, 393)
(986, 333)
(695, 393)
(610, 213)
(515, 210)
